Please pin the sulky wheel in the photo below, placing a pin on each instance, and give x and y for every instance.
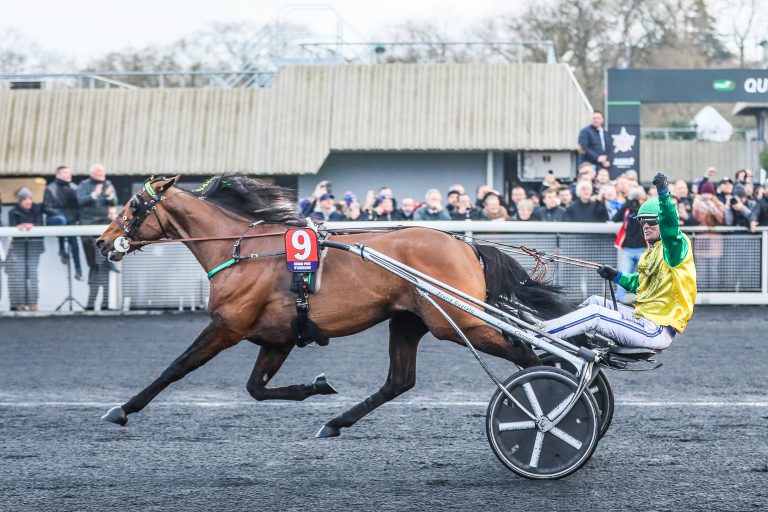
(522, 444)
(599, 387)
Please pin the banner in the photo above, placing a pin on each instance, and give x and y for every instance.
(624, 141)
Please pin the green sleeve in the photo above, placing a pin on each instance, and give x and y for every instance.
(675, 246)
(629, 282)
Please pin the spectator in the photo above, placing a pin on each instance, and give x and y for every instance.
(95, 196)
(630, 240)
(632, 178)
(585, 209)
(61, 197)
(603, 177)
(739, 211)
(524, 211)
(709, 211)
(684, 203)
(493, 209)
(607, 194)
(433, 209)
(325, 209)
(309, 204)
(353, 211)
(550, 211)
(386, 210)
(725, 190)
(535, 198)
(593, 146)
(480, 194)
(707, 208)
(452, 199)
(622, 188)
(708, 175)
(585, 173)
(24, 253)
(464, 209)
(742, 178)
(549, 181)
(407, 207)
(518, 194)
(565, 196)
(761, 196)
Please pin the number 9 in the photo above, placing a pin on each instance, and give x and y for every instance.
(300, 240)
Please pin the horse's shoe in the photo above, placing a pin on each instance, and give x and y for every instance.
(323, 387)
(328, 431)
(116, 415)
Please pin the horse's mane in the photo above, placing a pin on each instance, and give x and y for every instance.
(250, 198)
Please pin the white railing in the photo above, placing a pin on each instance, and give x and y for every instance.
(168, 277)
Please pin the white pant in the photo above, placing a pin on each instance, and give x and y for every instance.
(621, 325)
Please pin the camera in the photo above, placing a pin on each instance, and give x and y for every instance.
(734, 201)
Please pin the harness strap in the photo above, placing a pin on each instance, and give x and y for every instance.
(221, 267)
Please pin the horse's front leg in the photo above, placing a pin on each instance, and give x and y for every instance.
(214, 338)
(267, 365)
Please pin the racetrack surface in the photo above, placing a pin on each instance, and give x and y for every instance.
(692, 435)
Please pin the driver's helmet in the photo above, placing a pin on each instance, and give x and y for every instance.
(649, 210)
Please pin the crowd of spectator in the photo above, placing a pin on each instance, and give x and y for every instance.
(712, 200)
(592, 197)
(92, 201)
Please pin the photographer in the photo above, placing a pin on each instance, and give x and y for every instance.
(739, 211)
(308, 205)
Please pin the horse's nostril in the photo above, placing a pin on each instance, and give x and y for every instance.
(99, 243)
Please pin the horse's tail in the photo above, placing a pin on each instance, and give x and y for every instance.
(507, 280)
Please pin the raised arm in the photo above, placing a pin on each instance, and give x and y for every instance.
(675, 244)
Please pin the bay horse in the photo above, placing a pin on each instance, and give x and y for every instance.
(251, 299)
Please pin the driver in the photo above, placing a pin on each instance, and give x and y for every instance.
(665, 285)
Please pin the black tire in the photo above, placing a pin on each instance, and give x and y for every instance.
(600, 388)
(517, 441)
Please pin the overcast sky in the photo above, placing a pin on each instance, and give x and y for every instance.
(83, 29)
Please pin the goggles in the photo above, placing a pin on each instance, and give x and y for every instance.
(651, 221)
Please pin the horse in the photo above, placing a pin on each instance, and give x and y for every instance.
(251, 300)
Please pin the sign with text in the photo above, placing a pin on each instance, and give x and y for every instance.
(301, 250)
(625, 146)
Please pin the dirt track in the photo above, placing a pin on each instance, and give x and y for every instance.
(692, 435)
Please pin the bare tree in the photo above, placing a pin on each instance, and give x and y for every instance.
(742, 24)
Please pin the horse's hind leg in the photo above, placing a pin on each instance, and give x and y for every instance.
(267, 365)
(405, 332)
(214, 338)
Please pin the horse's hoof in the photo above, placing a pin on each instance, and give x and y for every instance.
(323, 387)
(328, 431)
(116, 415)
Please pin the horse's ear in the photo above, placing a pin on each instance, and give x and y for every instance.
(170, 183)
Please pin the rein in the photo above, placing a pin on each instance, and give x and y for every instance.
(202, 239)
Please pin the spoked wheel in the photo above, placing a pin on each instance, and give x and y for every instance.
(599, 387)
(520, 443)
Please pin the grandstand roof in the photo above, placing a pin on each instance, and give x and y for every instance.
(291, 126)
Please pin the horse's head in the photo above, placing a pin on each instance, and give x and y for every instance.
(138, 220)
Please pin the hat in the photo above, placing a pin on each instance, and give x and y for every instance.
(649, 209)
(707, 188)
(22, 194)
(740, 192)
(326, 196)
(726, 179)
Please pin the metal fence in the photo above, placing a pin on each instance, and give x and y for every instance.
(732, 266)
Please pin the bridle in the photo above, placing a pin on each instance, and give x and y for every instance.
(141, 209)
